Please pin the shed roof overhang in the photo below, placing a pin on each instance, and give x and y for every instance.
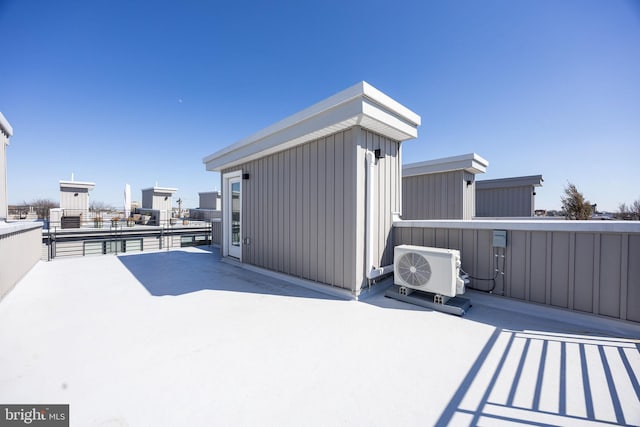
(360, 105)
(471, 162)
(5, 127)
(76, 185)
(517, 181)
(161, 190)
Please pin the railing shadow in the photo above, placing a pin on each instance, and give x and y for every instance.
(181, 272)
(549, 379)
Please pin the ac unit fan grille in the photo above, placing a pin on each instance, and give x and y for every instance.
(414, 269)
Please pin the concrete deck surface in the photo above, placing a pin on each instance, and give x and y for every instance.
(179, 338)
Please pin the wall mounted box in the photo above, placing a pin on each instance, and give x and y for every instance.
(499, 238)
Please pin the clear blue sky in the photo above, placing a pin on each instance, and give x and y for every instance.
(139, 92)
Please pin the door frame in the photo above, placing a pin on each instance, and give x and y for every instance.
(227, 179)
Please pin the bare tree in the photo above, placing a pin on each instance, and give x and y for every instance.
(42, 206)
(574, 205)
(623, 211)
(630, 211)
(635, 209)
(98, 206)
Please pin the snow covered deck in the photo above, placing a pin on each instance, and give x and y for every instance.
(180, 338)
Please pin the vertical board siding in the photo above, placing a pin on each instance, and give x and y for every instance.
(560, 259)
(438, 196)
(538, 267)
(386, 185)
(583, 272)
(505, 202)
(303, 208)
(633, 279)
(559, 268)
(610, 275)
(469, 196)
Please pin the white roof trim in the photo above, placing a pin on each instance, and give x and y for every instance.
(161, 189)
(360, 105)
(77, 184)
(471, 162)
(516, 181)
(5, 126)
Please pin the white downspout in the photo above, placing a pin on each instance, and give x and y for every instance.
(372, 272)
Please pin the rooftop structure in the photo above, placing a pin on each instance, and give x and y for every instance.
(158, 201)
(74, 195)
(507, 197)
(157, 198)
(313, 195)
(210, 200)
(441, 188)
(257, 350)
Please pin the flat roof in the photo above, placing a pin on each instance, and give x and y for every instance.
(516, 181)
(260, 351)
(77, 184)
(471, 162)
(161, 189)
(360, 105)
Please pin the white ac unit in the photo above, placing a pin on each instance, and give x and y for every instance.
(427, 269)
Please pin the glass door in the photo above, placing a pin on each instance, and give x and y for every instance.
(234, 227)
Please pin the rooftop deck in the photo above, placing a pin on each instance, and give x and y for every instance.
(180, 338)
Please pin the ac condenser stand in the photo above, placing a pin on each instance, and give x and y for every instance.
(456, 305)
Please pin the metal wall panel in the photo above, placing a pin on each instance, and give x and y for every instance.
(538, 267)
(583, 273)
(505, 202)
(595, 272)
(438, 196)
(303, 209)
(610, 274)
(560, 261)
(75, 204)
(632, 303)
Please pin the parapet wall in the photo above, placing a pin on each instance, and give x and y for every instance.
(20, 247)
(586, 266)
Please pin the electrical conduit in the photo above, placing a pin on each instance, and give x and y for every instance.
(372, 271)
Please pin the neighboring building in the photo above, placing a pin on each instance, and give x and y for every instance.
(313, 195)
(74, 196)
(210, 206)
(158, 202)
(441, 188)
(6, 131)
(74, 205)
(507, 197)
(210, 200)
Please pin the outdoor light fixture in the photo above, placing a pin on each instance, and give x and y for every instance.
(378, 153)
(166, 197)
(75, 195)
(469, 183)
(245, 176)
